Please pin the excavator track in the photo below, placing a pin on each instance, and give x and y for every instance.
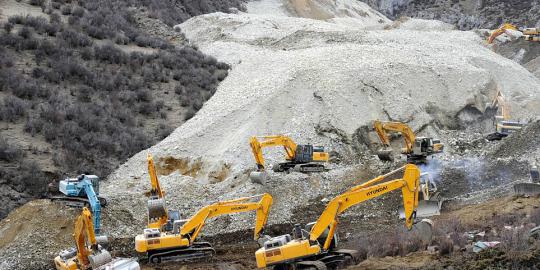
(196, 251)
(76, 201)
(304, 168)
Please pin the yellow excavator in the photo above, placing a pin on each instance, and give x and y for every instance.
(171, 238)
(503, 125)
(316, 246)
(528, 34)
(417, 149)
(300, 157)
(88, 253)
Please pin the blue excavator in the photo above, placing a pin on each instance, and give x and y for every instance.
(80, 192)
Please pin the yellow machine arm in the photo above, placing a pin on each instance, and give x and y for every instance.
(194, 225)
(83, 234)
(499, 101)
(156, 196)
(406, 132)
(156, 188)
(409, 185)
(277, 140)
(500, 31)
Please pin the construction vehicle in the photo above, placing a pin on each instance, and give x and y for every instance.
(531, 188)
(300, 157)
(429, 199)
(316, 246)
(417, 149)
(89, 254)
(528, 34)
(171, 238)
(83, 191)
(503, 125)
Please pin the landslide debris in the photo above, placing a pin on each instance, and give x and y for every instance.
(323, 83)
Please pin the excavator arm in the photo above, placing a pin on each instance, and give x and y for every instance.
(409, 185)
(94, 204)
(500, 102)
(195, 224)
(83, 234)
(500, 31)
(277, 140)
(157, 212)
(406, 132)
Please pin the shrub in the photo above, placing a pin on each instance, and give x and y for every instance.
(54, 18)
(13, 109)
(65, 9)
(8, 27)
(75, 39)
(16, 19)
(9, 152)
(25, 33)
(36, 2)
(78, 11)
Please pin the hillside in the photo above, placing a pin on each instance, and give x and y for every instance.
(87, 84)
(465, 14)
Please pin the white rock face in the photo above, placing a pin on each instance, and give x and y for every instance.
(319, 82)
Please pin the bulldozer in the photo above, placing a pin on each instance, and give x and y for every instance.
(503, 125)
(531, 188)
(304, 158)
(89, 253)
(167, 237)
(429, 199)
(316, 246)
(417, 149)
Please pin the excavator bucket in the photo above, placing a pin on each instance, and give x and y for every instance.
(385, 154)
(156, 208)
(527, 189)
(425, 209)
(259, 177)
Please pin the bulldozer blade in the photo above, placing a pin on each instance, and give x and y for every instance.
(527, 189)
(425, 209)
(259, 177)
(385, 154)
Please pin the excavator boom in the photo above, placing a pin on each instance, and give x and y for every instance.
(194, 225)
(158, 215)
(500, 31)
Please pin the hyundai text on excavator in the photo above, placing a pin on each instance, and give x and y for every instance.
(171, 238)
(417, 149)
(315, 248)
(300, 157)
(88, 254)
(503, 125)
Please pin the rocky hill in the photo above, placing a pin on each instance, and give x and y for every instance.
(465, 14)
